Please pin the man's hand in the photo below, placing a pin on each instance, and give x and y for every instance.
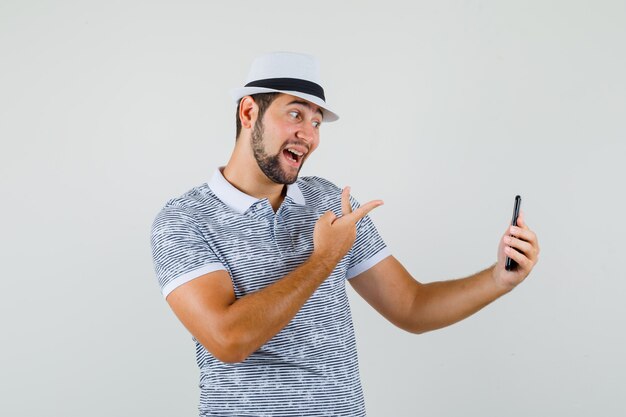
(520, 244)
(334, 236)
(232, 328)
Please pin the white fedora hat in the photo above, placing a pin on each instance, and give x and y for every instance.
(289, 73)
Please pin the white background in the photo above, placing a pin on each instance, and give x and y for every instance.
(449, 109)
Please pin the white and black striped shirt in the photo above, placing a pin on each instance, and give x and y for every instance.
(310, 368)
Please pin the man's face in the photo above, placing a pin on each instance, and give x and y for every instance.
(287, 134)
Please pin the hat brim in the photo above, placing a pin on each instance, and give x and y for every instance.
(329, 115)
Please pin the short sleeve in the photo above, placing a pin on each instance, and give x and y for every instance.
(179, 250)
(368, 249)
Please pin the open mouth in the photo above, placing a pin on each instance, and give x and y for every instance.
(293, 156)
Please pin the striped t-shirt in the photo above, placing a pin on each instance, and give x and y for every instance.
(310, 368)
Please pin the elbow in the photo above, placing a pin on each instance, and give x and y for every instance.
(230, 356)
(416, 328)
(425, 327)
(415, 331)
(419, 330)
(411, 326)
(228, 347)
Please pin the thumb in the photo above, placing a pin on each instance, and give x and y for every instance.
(521, 220)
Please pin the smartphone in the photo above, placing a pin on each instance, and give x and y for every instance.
(510, 264)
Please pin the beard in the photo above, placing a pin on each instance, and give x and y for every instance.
(270, 164)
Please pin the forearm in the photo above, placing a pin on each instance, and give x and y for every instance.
(257, 317)
(440, 304)
(230, 328)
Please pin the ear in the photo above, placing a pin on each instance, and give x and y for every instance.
(248, 111)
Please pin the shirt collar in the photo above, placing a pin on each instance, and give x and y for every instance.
(240, 201)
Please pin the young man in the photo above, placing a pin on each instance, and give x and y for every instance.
(254, 263)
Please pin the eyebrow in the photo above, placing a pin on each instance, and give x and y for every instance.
(307, 104)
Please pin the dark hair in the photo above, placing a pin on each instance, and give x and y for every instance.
(263, 100)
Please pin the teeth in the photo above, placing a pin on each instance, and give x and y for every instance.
(293, 151)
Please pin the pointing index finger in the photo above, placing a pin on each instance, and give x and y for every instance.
(362, 211)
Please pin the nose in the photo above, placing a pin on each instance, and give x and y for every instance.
(308, 133)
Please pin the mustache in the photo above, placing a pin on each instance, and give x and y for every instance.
(297, 143)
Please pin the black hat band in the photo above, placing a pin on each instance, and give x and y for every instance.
(290, 84)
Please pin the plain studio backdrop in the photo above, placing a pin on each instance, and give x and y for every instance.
(449, 109)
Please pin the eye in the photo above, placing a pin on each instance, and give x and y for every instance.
(294, 114)
(316, 124)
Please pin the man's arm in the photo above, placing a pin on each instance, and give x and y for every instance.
(417, 307)
(231, 329)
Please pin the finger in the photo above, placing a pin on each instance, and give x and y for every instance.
(346, 208)
(518, 257)
(522, 246)
(362, 211)
(529, 244)
(523, 234)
